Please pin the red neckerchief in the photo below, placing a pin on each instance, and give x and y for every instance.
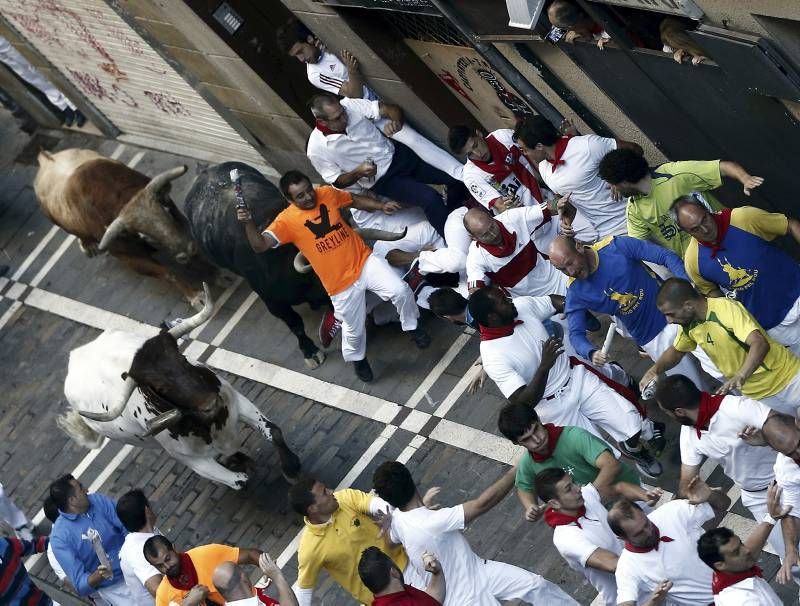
(496, 332)
(321, 127)
(553, 433)
(723, 221)
(558, 151)
(722, 580)
(263, 598)
(709, 405)
(596, 29)
(506, 161)
(555, 518)
(506, 246)
(187, 577)
(661, 539)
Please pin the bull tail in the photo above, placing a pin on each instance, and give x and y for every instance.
(72, 424)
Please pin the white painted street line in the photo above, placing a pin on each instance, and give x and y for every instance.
(458, 390)
(110, 468)
(52, 260)
(234, 319)
(9, 313)
(410, 450)
(115, 155)
(437, 370)
(476, 441)
(218, 304)
(136, 159)
(35, 253)
(291, 381)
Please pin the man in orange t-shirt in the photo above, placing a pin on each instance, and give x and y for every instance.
(187, 576)
(313, 222)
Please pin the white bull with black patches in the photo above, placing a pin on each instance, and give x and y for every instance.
(142, 391)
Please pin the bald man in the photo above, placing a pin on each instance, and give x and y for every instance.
(506, 251)
(732, 252)
(751, 362)
(234, 585)
(609, 277)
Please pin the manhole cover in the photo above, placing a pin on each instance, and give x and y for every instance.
(37, 143)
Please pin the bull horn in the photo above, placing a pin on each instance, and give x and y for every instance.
(162, 422)
(113, 231)
(161, 179)
(380, 234)
(301, 266)
(189, 324)
(117, 409)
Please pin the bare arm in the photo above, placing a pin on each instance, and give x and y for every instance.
(602, 559)
(759, 347)
(789, 532)
(345, 180)
(152, 584)
(667, 360)
(532, 392)
(622, 144)
(248, 555)
(267, 565)
(633, 492)
(687, 473)
(395, 115)
(489, 497)
(353, 87)
(259, 242)
(362, 202)
(530, 503)
(734, 170)
(437, 588)
(607, 469)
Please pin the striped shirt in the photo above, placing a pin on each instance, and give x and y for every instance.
(16, 587)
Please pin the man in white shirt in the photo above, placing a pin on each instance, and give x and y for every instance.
(507, 252)
(737, 580)
(470, 579)
(349, 151)
(569, 166)
(527, 366)
(234, 585)
(662, 546)
(580, 529)
(141, 577)
(712, 427)
(497, 174)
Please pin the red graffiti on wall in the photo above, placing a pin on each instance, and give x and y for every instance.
(33, 25)
(92, 86)
(167, 103)
(451, 81)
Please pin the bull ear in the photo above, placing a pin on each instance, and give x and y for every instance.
(301, 266)
(158, 182)
(196, 320)
(113, 231)
(161, 422)
(117, 409)
(380, 234)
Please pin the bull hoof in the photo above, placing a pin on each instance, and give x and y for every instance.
(315, 361)
(240, 483)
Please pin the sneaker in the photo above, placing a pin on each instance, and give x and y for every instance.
(421, 338)
(659, 440)
(363, 370)
(414, 278)
(68, 116)
(328, 328)
(80, 119)
(645, 462)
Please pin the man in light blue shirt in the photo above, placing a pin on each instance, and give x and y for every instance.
(70, 539)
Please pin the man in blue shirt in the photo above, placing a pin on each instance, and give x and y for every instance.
(80, 512)
(610, 277)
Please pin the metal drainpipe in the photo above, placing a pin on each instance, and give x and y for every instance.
(503, 66)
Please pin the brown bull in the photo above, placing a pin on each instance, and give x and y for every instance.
(110, 207)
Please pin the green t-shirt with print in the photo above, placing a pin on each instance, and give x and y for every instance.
(576, 452)
(648, 216)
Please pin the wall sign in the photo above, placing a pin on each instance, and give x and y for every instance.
(684, 8)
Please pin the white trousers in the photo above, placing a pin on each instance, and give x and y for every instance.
(452, 258)
(116, 595)
(756, 502)
(787, 400)
(429, 152)
(349, 306)
(788, 331)
(14, 516)
(503, 582)
(419, 236)
(15, 61)
(589, 403)
(687, 366)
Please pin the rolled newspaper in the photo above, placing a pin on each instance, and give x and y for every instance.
(101, 554)
(237, 189)
(609, 337)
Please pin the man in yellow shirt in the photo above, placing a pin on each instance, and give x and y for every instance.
(338, 528)
(651, 192)
(188, 576)
(751, 361)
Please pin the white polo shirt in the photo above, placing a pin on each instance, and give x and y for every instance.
(576, 544)
(329, 73)
(751, 467)
(332, 155)
(512, 361)
(754, 591)
(787, 475)
(136, 569)
(525, 272)
(484, 186)
(590, 194)
(638, 574)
